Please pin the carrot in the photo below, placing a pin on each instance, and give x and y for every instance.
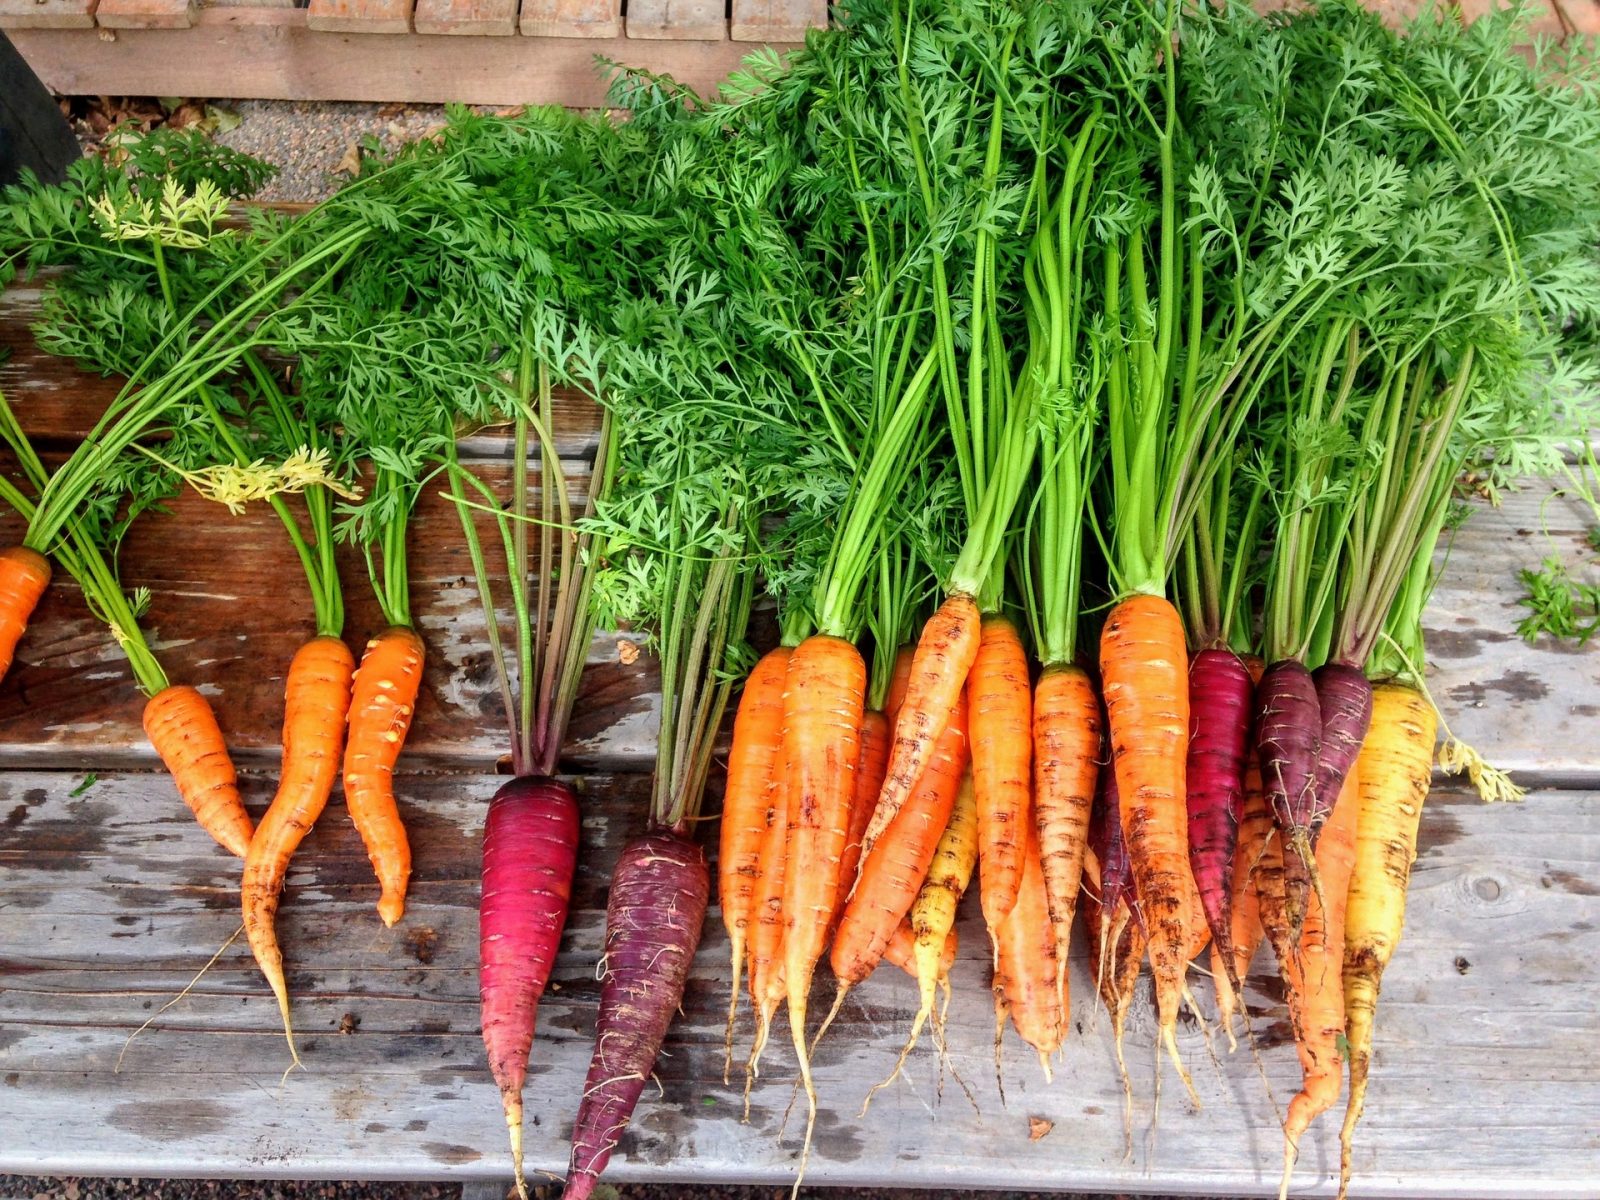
(894, 871)
(653, 920)
(1066, 761)
(386, 686)
(933, 916)
(939, 669)
(767, 988)
(1219, 735)
(1245, 933)
(181, 726)
(823, 703)
(1000, 704)
(1144, 666)
(24, 576)
(316, 698)
(870, 769)
(530, 850)
(1026, 982)
(1288, 742)
(1116, 929)
(757, 737)
(1316, 991)
(902, 951)
(899, 680)
(1394, 771)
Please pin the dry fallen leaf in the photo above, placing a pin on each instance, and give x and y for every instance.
(350, 164)
(1038, 1127)
(627, 652)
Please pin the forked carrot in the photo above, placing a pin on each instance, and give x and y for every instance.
(381, 707)
(316, 700)
(1144, 664)
(181, 726)
(1026, 982)
(1314, 976)
(24, 576)
(757, 738)
(1000, 712)
(1394, 771)
(939, 669)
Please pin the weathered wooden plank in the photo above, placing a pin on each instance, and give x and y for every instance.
(684, 20)
(489, 17)
(776, 20)
(572, 18)
(145, 14)
(47, 14)
(111, 900)
(359, 16)
(274, 54)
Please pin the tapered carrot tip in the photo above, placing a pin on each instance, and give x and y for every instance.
(183, 730)
(391, 907)
(513, 1106)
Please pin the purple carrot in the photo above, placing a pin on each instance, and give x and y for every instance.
(1110, 850)
(1220, 695)
(658, 904)
(1288, 743)
(530, 849)
(1345, 696)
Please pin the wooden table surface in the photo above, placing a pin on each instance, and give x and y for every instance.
(1487, 1072)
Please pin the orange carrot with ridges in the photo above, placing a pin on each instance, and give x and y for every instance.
(24, 576)
(1026, 983)
(902, 950)
(757, 738)
(870, 768)
(316, 700)
(767, 988)
(386, 686)
(1144, 664)
(1315, 976)
(1066, 764)
(899, 680)
(1000, 712)
(183, 729)
(939, 668)
(1255, 828)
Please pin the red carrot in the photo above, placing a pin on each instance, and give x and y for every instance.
(530, 849)
(1219, 734)
(658, 903)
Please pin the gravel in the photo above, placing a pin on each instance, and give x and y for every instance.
(314, 144)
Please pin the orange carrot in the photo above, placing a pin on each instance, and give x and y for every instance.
(24, 576)
(316, 700)
(183, 729)
(902, 950)
(1315, 976)
(1066, 754)
(1000, 704)
(823, 704)
(899, 680)
(1255, 828)
(757, 738)
(939, 669)
(1026, 984)
(386, 686)
(1145, 666)
(767, 988)
(894, 870)
(869, 778)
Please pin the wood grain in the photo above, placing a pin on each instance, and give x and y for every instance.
(359, 16)
(486, 17)
(111, 900)
(776, 20)
(145, 14)
(47, 14)
(274, 54)
(691, 20)
(572, 18)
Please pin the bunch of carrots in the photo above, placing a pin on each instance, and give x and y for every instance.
(1091, 412)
